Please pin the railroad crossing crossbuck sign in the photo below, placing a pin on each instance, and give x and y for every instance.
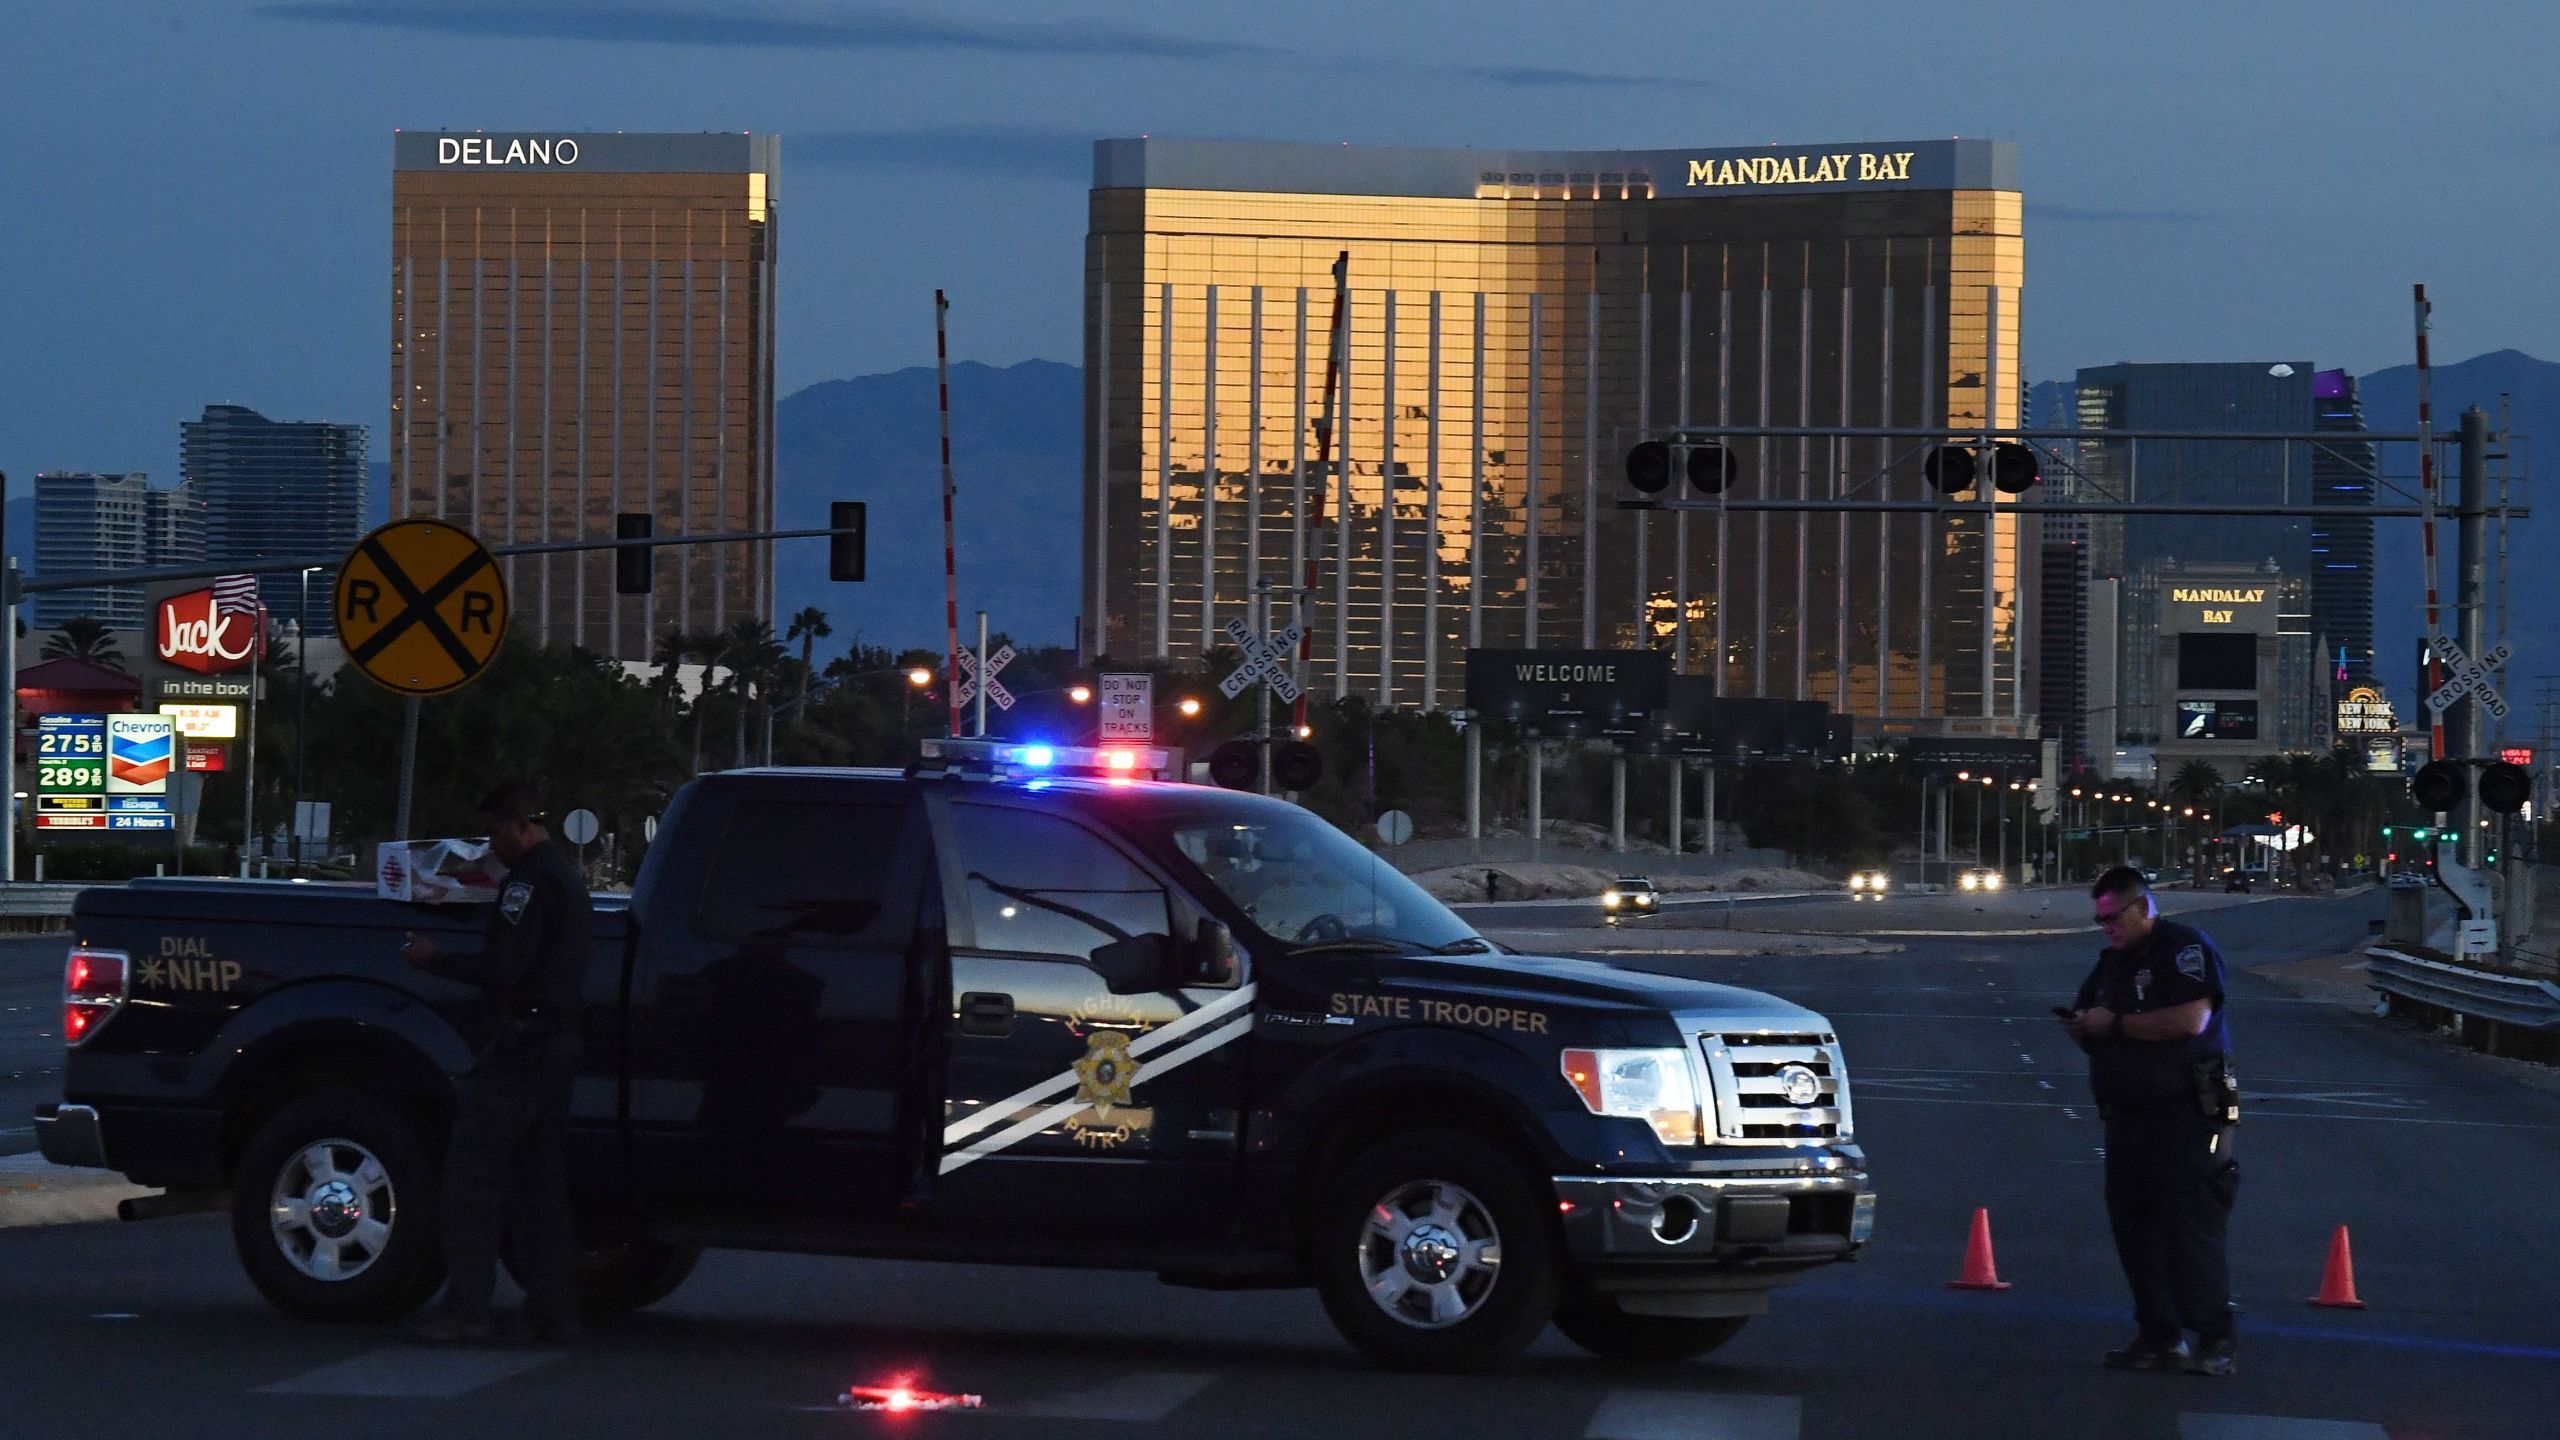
(2467, 678)
(1267, 661)
(997, 695)
(421, 606)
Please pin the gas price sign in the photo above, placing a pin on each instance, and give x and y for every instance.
(71, 772)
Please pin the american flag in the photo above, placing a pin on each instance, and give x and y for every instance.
(235, 594)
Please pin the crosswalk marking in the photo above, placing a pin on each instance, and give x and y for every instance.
(1690, 1415)
(2274, 1427)
(1146, 1395)
(414, 1373)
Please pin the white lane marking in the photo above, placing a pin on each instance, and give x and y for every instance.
(961, 1129)
(1016, 1134)
(1689, 1415)
(2274, 1427)
(414, 1373)
(1147, 1395)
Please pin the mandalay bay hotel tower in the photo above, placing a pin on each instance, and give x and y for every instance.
(1515, 321)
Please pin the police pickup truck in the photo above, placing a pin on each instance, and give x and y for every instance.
(1019, 1004)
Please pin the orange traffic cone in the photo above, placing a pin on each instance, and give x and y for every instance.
(1979, 1272)
(2338, 1282)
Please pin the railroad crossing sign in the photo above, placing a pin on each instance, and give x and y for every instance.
(997, 695)
(1268, 660)
(2467, 678)
(421, 606)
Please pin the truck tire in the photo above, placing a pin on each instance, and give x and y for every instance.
(1434, 1250)
(1598, 1324)
(334, 1210)
(620, 1276)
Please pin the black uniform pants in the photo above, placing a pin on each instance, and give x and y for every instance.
(506, 1181)
(2171, 1178)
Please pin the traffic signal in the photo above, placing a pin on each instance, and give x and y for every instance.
(1235, 766)
(632, 564)
(1709, 469)
(1296, 765)
(2014, 470)
(845, 546)
(2504, 787)
(2437, 786)
(1949, 468)
(1649, 467)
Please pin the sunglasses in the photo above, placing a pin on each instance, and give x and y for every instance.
(2105, 918)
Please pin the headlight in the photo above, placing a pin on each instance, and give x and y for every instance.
(1857, 882)
(1972, 881)
(1648, 1085)
(1609, 900)
(1643, 901)
(1990, 882)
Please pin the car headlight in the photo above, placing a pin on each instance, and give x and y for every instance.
(1648, 1085)
(1990, 882)
(1857, 882)
(1644, 901)
(1972, 882)
(1609, 901)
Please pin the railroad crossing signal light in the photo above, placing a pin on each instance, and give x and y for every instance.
(845, 547)
(2014, 470)
(632, 564)
(1235, 765)
(2437, 786)
(1296, 765)
(2504, 788)
(1949, 468)
(1709, 469)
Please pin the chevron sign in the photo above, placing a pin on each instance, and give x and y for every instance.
(141, 750)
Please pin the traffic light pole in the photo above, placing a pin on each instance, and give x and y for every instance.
(2471, 511)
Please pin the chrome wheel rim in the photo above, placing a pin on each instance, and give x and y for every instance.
(332, 1210)
(1430, 1254)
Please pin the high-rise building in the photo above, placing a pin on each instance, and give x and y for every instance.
(1515, 321)
(2342, 476)
(582, 325)
(274, 491)
(2062, 669)
(87, 523)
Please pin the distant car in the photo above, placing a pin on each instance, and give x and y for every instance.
(2150, 876)
(1979, 879)
(2239, 882)
(2404, 880)
(1629, 895)
(1869, 884)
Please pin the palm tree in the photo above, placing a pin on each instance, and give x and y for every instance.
(754, 656)
(84, 637)
(808, 627)
(711, 648)
(674, 648)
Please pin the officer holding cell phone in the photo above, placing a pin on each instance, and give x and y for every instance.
(2150, 1017)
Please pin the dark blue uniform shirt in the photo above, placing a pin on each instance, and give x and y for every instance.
(2171, 966)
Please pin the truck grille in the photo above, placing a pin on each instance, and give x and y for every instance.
(1749, 1075)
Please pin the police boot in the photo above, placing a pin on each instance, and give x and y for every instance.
(2218, 1358)
(2149, 1355)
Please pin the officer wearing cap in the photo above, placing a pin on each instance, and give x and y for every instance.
(505, 1176)
(2150, 1017)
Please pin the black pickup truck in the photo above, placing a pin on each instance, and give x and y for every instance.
(989, 1010)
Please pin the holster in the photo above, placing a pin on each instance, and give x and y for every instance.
(2217, 1090)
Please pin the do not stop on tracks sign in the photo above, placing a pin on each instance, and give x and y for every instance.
(421, 606)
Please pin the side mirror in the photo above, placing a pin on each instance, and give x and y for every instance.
(1134, 966)
(1212, 958)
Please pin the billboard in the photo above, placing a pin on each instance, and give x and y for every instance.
(2217, 719)
(71, 772)
(2367, 711)
(212, 629)
(1570, 692)
(142, 750)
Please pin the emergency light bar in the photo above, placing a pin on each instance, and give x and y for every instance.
(1033, 759)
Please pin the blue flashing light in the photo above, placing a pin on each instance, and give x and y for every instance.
(1037, 756)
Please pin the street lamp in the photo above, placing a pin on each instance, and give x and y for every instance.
(1081, 694)
(1190, 707)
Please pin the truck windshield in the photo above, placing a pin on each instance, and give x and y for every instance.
(1301, 881)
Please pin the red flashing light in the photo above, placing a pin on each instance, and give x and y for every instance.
(902, 1398)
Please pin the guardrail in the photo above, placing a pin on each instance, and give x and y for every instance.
(2522, 1001)
(28, 908)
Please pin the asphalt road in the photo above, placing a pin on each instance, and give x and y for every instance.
(30, 1035)
(1966, 1096)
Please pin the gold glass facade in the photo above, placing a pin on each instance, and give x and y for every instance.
(1505, 346)
(572, 340)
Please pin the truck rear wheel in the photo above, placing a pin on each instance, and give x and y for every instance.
(1597, 1323)
(333, 1210)
(1435, 1251)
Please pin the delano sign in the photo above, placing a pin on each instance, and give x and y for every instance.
(1570, 692)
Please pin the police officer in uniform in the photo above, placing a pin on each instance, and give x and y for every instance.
(2150, 1016)
(505, 1176)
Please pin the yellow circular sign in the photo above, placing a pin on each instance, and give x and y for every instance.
(421, 606)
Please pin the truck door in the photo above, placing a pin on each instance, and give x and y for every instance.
(773, 1020)
(1078, 1105)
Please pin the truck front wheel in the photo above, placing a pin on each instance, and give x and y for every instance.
(1435, 1251)
(1597, 1323)
(333, 1210)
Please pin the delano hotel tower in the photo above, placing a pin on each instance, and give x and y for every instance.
(1516, 320)
(583, 325)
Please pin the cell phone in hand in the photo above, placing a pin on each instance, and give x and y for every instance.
(2065, 1011)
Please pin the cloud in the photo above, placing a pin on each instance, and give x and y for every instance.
(1032, 152)
(773, 23)
(1530, 76)
(2080, 214)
